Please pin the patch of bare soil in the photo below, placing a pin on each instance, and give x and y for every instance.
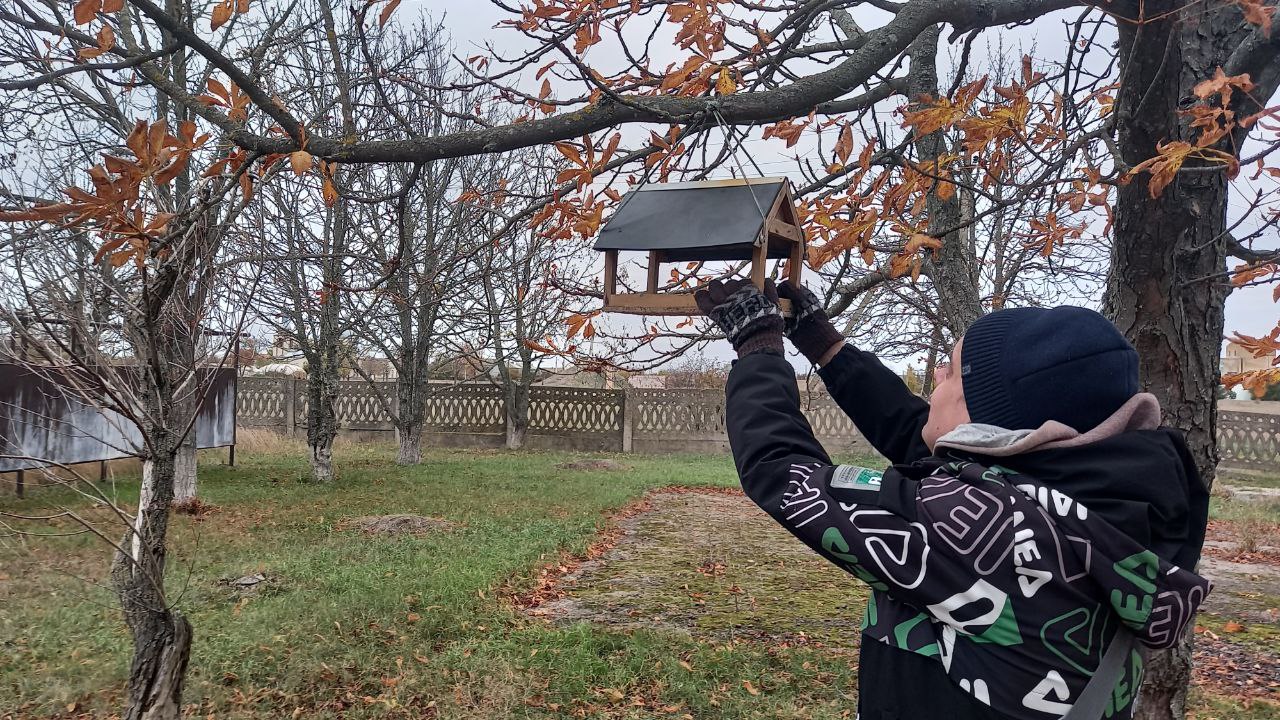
(398, 525)
(1227, 668)
(714, 566)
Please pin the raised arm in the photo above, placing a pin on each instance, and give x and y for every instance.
(878, 402)
(845, 513)
(887, 414)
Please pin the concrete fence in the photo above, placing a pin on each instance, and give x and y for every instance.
(474, 415)
(633, 420)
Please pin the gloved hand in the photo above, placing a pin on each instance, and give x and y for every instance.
(808, 327)
(751, 319)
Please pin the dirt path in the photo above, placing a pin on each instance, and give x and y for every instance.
(714, 566)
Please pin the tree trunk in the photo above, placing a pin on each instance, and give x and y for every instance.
(322, 422)
(952, 268)
(1165, 289)
(410, 437)
(321, 459)
(161, 635)
(184, 471)
(517, 402)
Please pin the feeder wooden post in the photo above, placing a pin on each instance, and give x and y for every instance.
(610, 274)
(759, 259)
(794, 264)
(655, 264)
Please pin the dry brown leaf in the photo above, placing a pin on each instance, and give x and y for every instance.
(221, 14)
(300, 161)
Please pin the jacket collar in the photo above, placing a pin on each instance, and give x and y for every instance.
(1140, 412)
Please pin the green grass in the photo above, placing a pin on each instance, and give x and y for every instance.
(356, 626)
(1245, 478)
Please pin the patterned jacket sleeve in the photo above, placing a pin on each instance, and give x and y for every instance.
(860, 521)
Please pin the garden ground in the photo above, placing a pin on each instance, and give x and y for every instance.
(592, 590)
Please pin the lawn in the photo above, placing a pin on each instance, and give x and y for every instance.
(352, 625)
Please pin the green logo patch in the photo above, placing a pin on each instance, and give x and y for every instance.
(852, 477)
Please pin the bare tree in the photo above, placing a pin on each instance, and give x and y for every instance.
(1174, 130)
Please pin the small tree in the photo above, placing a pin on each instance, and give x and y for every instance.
(154, 270)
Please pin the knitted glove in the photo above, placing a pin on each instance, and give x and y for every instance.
(750, 319)
(809, 328)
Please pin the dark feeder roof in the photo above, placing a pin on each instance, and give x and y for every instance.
(709, 220)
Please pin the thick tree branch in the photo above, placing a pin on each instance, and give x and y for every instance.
(881, 47)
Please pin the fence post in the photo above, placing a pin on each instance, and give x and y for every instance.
(290, 391)
(628, 419)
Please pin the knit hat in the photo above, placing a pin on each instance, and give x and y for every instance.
(1024, 366)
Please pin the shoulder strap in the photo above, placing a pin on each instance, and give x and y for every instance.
(1096, 695)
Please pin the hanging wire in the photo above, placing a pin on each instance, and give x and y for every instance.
(729, 133)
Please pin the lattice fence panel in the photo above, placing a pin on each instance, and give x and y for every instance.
(359, 407)
(580, 410)
(467, 408)
(829, 421)
(1249, 440)
(679, 414)
(260, 401)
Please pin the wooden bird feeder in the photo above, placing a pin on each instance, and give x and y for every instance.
(712, 220)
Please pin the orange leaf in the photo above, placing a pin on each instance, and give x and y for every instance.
(300, 161)
(1233, 627)
(85, 10)
(221, 14)
(844, 144)
(571, 153)
(106, 38)
(1257, 13)
(1220, 83)
(746, 685)
(575, 323)
(112, 6)
(386, 12)
(217, 88)
(329, 192)
(108, 247)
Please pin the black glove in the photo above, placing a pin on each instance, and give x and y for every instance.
(750, 319)
(809, 328)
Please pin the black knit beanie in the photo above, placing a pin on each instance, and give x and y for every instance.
(1024, 366)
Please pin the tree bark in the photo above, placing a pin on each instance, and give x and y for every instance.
(184, 471)
(952, 268)
(517, 402)
(1165, 287)
(322, 422)
(161, 635)
(410, 437)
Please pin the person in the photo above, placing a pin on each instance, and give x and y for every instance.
(1035, 519)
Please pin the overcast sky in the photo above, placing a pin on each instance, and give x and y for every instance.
(471, 25)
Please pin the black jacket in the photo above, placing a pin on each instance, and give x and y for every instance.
(996, 585)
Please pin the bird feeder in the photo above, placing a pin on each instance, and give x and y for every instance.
(751, 220)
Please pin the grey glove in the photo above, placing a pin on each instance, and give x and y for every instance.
(750, 318)
(809, 328)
